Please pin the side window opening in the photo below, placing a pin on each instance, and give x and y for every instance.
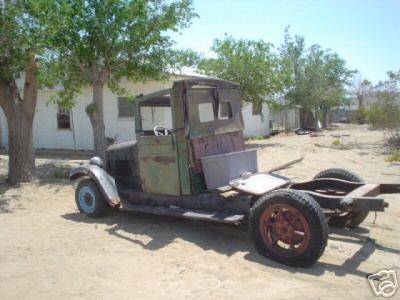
(63, 118)
(206, 112)
(224, 111)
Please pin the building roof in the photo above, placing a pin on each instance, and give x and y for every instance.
(183, 71)
(188, 71)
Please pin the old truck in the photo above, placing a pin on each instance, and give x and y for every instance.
(189, 160)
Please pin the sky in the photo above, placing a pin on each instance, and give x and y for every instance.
(366, 33)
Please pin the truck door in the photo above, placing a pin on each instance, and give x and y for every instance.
(158, 159)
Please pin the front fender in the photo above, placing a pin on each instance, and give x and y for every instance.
(104, 181)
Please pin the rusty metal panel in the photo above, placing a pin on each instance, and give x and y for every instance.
(158, 165)
(214, 145)
(198, 96)
(229, 202)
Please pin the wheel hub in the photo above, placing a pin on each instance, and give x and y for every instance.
(88, 199)
(285, 230)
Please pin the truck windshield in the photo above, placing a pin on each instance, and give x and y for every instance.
(155, 116)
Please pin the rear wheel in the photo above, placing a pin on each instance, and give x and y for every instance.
(89, 199)
(349, 219)
(288, 226)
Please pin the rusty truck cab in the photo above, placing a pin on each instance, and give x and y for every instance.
(202, 117)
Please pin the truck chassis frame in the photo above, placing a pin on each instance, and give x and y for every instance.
(335, 196)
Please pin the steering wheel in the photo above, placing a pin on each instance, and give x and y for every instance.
(161, 130)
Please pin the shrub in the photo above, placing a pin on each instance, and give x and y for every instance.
(394, 156)
(386, 116)
(385, 113)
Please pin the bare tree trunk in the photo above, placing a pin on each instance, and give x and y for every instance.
(20, 113)
(325, 117)
(360, 99)
(307, 119)
(361, 116)
(96, 115)
(21, 164)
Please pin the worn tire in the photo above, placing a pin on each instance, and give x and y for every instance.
(338, 173)
(352, 219)
(313, 215)
(89, 199)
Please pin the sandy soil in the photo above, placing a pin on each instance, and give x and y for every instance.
(48, 249)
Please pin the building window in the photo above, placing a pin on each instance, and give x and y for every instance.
(257, 109)
(125, 108)
(63, 118)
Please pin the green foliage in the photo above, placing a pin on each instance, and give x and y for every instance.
(250, 63)
(259, 137)
(105, 41)
(384, 115)
(318, 77)
(21, 38)
(336, 142)
(385, 112)
(360, 115)
(293, 57)
(188, 57)
(61, 174)
(394, 156)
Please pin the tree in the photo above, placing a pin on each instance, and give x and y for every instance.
(250, 63)
(361, 89)
(318, 78)
(385, 112)
(22, 45)
(335, 78)
(293, 59)
(101, 42)
(292, 55)
(188, 57)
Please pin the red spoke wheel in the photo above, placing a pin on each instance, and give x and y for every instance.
(284, 230)
(289, 226)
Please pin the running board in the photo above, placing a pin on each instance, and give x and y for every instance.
(184, 213)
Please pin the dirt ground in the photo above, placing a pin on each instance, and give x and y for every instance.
(48, 249)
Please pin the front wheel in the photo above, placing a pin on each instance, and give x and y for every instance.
(89, 199)
(288, 226)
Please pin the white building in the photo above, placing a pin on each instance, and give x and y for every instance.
(55, 128)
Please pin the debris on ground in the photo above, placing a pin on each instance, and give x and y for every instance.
(287, 165)
(301, 131)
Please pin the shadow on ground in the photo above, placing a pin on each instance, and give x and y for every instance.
(5, 200)
(224, 239)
